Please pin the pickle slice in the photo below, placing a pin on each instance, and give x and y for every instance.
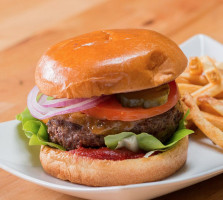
(145, 98)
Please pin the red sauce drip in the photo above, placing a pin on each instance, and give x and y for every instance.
(105, 153)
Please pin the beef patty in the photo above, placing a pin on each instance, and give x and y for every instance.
(72, 135)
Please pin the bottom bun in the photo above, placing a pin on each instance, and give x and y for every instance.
(95, 172)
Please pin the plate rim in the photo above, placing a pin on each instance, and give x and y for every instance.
(211, 173)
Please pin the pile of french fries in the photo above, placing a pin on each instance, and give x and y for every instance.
(201, 88)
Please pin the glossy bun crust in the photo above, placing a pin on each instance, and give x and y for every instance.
(108, 62)
(94, 172)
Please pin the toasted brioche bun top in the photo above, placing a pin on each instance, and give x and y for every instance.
(108, 62)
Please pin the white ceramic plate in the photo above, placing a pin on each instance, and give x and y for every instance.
(204, 159)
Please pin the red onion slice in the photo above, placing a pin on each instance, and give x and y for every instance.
(42, 99)
(43, 112)
(61, 102)
(32, 102)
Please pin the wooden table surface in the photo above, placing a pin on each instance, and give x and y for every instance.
(27, 28)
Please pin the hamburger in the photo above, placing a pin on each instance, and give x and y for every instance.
(106, 108)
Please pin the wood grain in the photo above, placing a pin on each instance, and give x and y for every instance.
(37, 17)
(28, 28)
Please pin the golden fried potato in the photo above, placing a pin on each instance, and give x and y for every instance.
(213, 103)
(211, 131)
(188, 88)
(215, 120)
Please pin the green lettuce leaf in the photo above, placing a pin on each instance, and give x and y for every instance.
(146, 141)
(25, 116)
(50, 98)
(183, 122)
(35, 130)
(111, 141)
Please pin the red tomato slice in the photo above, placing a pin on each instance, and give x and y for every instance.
(113, 110)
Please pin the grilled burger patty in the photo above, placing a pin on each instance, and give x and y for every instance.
(72, 135)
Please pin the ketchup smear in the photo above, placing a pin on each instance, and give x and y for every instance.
(105, 153)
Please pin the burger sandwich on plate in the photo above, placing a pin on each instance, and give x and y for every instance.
(106, 108)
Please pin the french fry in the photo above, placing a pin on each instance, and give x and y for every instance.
(215, 120)
(203, 79)
(219, 65)
(182, 80)
(194, 79)
(209, 90)
(211, 131)
(207, 62)
(214, 103)
(205, 107)
(195, 66)
(186, 87)
(211, 71)
(213, 76)
(219, 96)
